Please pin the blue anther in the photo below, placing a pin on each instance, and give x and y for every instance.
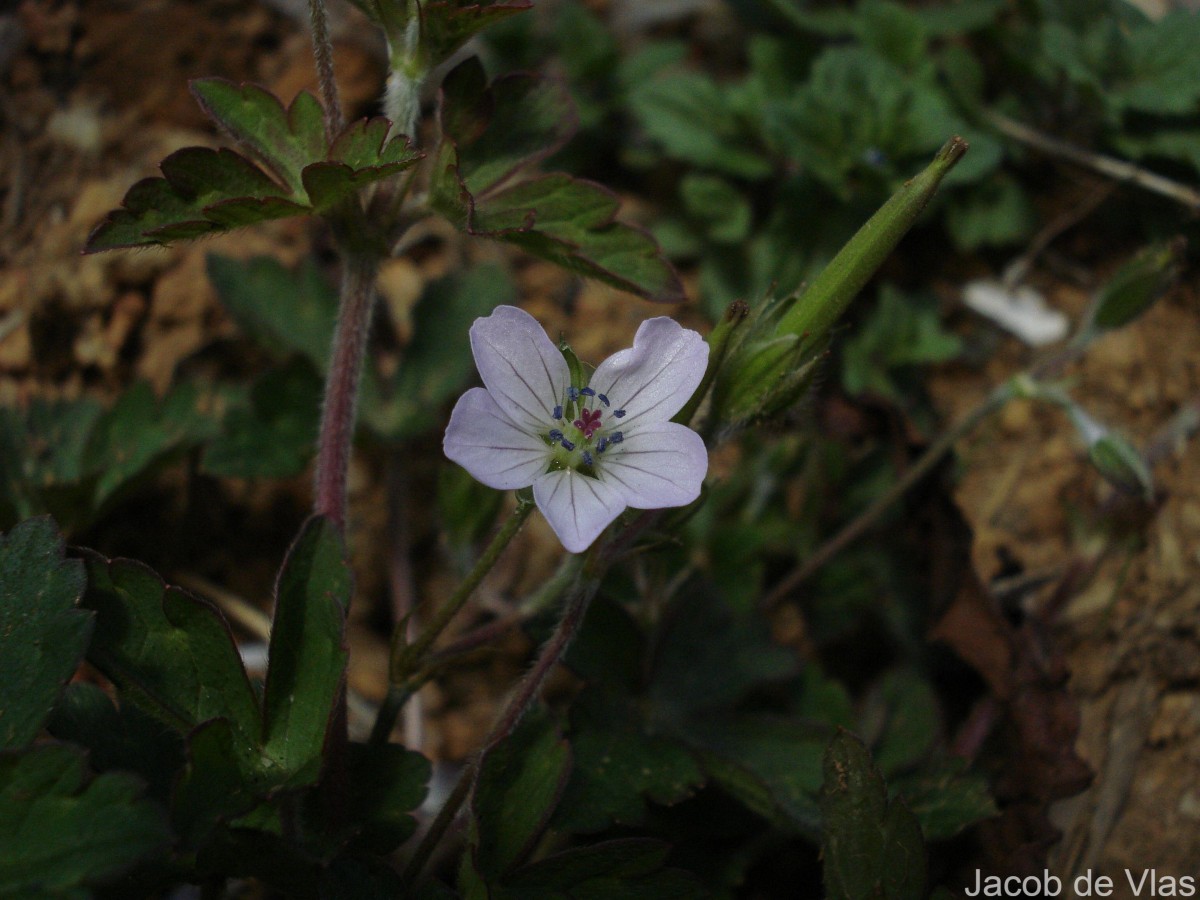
(587, 392)
(557, 412)
(619, 413)
(555, 435)
(587, 458)
(616, 438)
(603, 399)
(572, 393)
(567, 445)
(601, 445)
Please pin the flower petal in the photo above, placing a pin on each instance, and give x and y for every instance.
(657, 466)
(577, 507)
(485, 442)
(654, 378)
(522, 369)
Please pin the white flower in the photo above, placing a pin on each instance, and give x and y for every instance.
(588, 450)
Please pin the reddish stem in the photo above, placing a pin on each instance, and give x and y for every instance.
(341, 389)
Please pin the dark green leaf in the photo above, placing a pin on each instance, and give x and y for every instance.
(618, 766)
(708, 658)
(959, 18)
(723, 209)
(903, 717)
(139, 432)
(503, 128)
(219, 781)
(572, 223)
(870, 848)
(62, 833)
(387, 783)
(519, 784)
(203, 192)
(308, 653)
(493, 133)
(894, 32)
(43, 635)
(448, 24)
(124, 738)
(285, 140)
(272, 436)
(610, 648)
(167, 650)
(43, 467)
(361, 155)
(902, 331)
(772, 764)
(694, 120)
(433, 368)
(945, 798)
(286, 312)
(1165, 77)
(822, 699)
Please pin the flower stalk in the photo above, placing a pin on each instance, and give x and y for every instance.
(526, 695)
(404, 657)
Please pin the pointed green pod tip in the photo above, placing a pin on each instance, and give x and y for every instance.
(812, 313)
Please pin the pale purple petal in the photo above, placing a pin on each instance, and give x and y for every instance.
(577, 507)
(657, 466)
(654, 378)
(522, 369)
(483, 440)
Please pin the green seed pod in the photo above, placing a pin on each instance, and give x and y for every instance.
(1121, 465)
(1136, 286)
(811, 314)
(1117, 461)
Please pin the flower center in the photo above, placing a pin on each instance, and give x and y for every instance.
(580, 437)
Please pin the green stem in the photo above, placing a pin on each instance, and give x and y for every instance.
(405, 657)
(869, 516)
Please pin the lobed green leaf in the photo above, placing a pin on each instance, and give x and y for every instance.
(492, 134)
(308, 654)
(62, 833)
(870, 848)
(43, 633)
(285, 140)
(167, 650)
(518, 787)
(361, 155)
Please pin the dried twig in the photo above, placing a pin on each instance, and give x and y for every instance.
(1118, 169)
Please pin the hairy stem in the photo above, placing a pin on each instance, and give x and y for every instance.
(526, 694)
(323, 55)
(341, 388)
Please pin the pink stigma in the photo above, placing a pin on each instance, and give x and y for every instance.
(588, 422)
